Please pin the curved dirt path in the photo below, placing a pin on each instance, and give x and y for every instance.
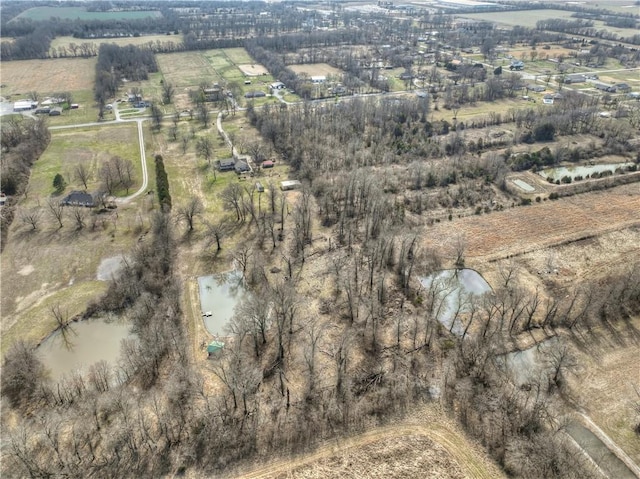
(143, 161)
(468, 458)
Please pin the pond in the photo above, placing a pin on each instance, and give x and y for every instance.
(219, 295)
(586, 171)
(528, 365)
(83, 344)
(110, 267)
(448, 293)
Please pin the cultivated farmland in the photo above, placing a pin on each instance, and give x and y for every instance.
(48, 76)
(72, 13)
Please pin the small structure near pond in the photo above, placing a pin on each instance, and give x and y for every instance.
(214, 346)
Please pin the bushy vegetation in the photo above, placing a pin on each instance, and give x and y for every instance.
(162, 184)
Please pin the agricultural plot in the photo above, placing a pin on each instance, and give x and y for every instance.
(72, 13)
(47, 76)
(316, 69)
(65, 42)
(523, 229)
(523, 18)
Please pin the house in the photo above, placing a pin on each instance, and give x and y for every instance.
(575, 78)
(131, 98)
(79, 198)
(548, 99)
(621, 88)
(601, 85)
(290, 185)
(268, 164)
(536, 88)
(57, 111)
(277, 85)
(212, 94)
(241, 166)
(317, 79)
(42, 110)
(226, 165)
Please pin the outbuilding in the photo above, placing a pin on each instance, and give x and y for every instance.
(290, 185)
(268, 164)
(24, 105)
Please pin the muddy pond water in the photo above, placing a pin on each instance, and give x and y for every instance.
(219, 295)
(83, 344)
(451, 290)
(583, 171)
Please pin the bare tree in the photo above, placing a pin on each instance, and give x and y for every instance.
(31, 217)
(216, 231)
(204, 148)
(82, 173)
(204, 115)
(57, 210)
(79, 215)
(189, 211)
(167, 92)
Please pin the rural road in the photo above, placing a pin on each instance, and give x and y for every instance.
(473, 466)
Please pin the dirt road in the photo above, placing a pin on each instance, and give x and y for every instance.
(472, 462)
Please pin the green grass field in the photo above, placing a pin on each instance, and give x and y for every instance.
(92, 146)
(72, 13)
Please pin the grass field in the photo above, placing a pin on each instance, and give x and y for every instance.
(316, 69)
(92, 146)
(72, 13)
(58, 42)
(47, 76)
(523, 18)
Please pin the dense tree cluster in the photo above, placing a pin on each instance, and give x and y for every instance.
(162, 184)
(116, 63)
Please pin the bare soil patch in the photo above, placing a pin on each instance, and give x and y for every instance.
(313, 69)
(523, 229)
(48, 76)
(253, 70)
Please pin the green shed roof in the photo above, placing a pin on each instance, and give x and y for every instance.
(215, 346)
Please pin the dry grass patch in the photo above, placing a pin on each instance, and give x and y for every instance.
(316, 69)
(253, 70)
(64, 42)
(523, 229)
(48, 76)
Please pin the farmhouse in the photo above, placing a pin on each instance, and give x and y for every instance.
(212, 94)
(226, 165)
(24, 105)
(290, 185)
(575, 78)
(621, 88)
(79, 198)
(241, 166)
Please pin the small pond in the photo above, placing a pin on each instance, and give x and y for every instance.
(586, 171)
(219, 295)
(83, 344)
(451, 289)
(110, 267)
(527, 365)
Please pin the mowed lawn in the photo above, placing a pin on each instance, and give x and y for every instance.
(53, 266)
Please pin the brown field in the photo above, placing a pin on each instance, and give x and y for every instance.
(523, 229)
(605, 386)
(142, 40)
(427, 444)
(313, 69)
(47, 76)
(253, 70)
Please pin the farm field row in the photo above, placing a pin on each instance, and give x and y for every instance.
(72, 13)
(522, 229)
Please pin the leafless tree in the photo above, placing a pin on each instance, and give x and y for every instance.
(82, 173)
(79, 215)
(31, 217)
(216, 232)
(190, 211)
(56, 210)
(204, 148)
(232, 199)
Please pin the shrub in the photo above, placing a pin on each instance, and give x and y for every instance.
(58, 183)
